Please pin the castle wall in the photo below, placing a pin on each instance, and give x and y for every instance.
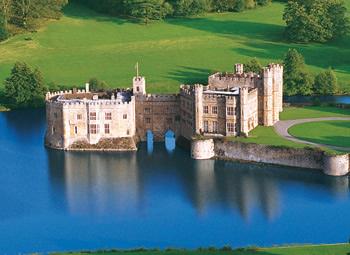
(224, 81)
(249, 109)
(55, 130)
(187, 113)
(157, 113)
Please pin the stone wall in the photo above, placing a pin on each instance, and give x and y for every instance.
(157, 113)
(301, 158)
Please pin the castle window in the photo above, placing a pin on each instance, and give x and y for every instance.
(55, 115)
(94, 129)
(108, 115)
(107, 130)
(93, 116)
(230, 127)
(214, 110)
(79, 117)
(148, 110)
(125, 116)
(53, 130)
(128, 132)
(148, 120)
(215, 126)
(230, 111)
(206, 109)
(75, 130)
(206, 126)
(138, 89)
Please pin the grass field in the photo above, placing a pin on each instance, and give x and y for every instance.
(84, 44)
(292, 113)
(339, 249)
(268, 136)
(327, 132)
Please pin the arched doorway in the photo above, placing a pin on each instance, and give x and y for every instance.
(150, 137)
(170, 141)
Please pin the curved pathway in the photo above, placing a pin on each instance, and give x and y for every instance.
(282, 127)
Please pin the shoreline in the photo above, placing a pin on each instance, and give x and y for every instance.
(295, 249)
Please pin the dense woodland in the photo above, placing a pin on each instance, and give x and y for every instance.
(17, 15)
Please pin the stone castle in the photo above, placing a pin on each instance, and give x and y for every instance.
(232, 104)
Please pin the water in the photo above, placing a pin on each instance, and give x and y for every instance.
(56, 201)
(321, 99)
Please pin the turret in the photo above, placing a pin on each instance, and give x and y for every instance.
(139, 83)
(239, 69)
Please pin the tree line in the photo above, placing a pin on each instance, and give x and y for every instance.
(25, 14)
(147, 10)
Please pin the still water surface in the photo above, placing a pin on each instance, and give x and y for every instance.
(51, 200)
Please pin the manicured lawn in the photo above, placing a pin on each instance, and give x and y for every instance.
(84, 44)
(327, 132)
(268, 136)
(292, 113)
(339, 249)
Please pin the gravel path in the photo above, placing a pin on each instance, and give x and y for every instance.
(282, 127)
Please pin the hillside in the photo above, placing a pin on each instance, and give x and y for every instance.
(84, 44)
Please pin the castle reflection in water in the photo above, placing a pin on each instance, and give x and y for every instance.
(109, 183)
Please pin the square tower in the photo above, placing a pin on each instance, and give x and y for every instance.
(139, 85)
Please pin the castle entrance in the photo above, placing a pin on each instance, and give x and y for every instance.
(169, 141)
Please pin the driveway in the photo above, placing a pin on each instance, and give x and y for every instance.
(282, 127)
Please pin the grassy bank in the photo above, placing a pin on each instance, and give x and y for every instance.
(335, 133)
(293, 113)
(85, 44)
(338, 249)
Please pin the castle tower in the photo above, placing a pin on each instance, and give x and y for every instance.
(267, 97)
(244, 110)
(139, 83)
(198, 94)
(239, 68)
(272, 94)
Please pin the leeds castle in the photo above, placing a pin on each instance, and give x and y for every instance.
(231, 104)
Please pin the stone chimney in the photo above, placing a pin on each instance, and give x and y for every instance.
(239, 68)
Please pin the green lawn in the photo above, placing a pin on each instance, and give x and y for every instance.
(335, 133)
(84, 44)
(339, 249)
(268, 136)
(292, 113)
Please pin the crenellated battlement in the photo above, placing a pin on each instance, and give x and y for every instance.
(158, 97)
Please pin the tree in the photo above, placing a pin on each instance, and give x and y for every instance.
(148, 10)
(223, 5)
(25, 11)
(97, 85)
(239, 6)
(25, 87)
(315, 20)
(3, 28)
(263, 2)
(297, 80)
(253, 65)
(326, 83)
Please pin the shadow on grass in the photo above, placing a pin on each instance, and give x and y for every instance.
(74, 10)
(320, 55)
(190, 75)
(251, 30)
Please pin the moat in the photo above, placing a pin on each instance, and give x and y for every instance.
(55, 201)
